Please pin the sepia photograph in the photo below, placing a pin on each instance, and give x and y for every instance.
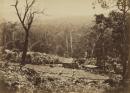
(64, 46)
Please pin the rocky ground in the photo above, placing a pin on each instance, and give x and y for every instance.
(48, 78)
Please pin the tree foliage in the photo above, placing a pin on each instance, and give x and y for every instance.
(120, 28)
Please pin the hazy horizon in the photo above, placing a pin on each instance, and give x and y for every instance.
(53, 9)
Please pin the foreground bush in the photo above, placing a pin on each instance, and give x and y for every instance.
(36, 58)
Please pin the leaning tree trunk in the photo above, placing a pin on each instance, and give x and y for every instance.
(25, 48)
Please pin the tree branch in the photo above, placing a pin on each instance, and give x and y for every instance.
(27, 8)
(31, 4)
(27, 16)
(16, 7)
(30, 19)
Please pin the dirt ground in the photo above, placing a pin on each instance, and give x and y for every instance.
(53, 79)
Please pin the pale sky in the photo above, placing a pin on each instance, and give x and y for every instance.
(54, 8)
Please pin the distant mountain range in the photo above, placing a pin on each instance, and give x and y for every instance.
(73, 20)
(59, 25)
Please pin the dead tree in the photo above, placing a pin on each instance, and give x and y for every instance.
(26, 19)
(71, 44)
(67, 43)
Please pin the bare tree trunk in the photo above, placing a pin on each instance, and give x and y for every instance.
(71, 44)
(67, 45)
(92, 51)
(25, 48)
